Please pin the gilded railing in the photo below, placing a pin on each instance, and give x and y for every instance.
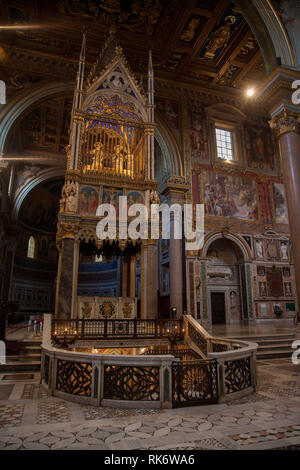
(185, 354)
(109, 329)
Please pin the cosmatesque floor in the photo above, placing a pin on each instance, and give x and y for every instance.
(268, 419)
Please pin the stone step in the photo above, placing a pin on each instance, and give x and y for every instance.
(30, 342)
(274, 347)
(24, 357)
(284, 353)
(20, 366)
(276, 341)
(271, 346)
(258, 338)
(32, 350)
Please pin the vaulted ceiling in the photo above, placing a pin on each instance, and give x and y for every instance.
(200, 42)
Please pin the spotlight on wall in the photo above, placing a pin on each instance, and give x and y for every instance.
(173, 312)
(250, 92)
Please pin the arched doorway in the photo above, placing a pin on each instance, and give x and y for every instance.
(224, 282)
(229, 291)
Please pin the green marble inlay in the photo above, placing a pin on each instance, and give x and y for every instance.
(204, 290)
(249, 290)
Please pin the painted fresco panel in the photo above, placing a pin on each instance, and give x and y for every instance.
(111, 196)
(88, 200)
(135, 197)
(259, 148)
(198, 135)
(229, 196)
(170, 111)
(281, 213)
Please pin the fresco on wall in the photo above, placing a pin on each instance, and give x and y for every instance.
(170, 111)
(281, 213)
(259, 148)
(88, 200)
(134, 197)
(198, 133)
(229, 196)
(39, 209)
(111, 196)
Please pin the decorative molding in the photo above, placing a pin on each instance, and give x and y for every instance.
(285, 121)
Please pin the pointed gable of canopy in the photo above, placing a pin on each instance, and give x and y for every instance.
(111, 80)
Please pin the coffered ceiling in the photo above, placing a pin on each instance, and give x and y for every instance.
(199, 42)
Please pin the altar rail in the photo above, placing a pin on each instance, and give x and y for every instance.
(185, 354)
(236, 360)
(114, 329)
(155, 380)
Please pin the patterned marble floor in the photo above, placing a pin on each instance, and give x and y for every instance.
(268, 419)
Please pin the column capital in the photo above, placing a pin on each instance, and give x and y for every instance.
(286, 120)
(66, 230)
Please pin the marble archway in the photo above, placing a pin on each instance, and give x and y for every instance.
(225, 282)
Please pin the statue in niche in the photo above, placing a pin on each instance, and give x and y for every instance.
(71, 203)
(259, 248)
(288, 289)
(262, 289)
(189, 33)
(286, 272)
(234, 306)
(68, 201)
(284, 250)
(117, 81)
(154, 197)
(220, 38)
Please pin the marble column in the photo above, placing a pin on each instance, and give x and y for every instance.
(176, 281)
(132, 276)
(74, 312)
(287, 127)
(149, 279)
(246, 291)
(64, 290)
(175, 193)
(124, 278)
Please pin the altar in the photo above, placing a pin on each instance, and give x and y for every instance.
(107, 307)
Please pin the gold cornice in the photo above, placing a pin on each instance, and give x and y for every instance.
(105, 180)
